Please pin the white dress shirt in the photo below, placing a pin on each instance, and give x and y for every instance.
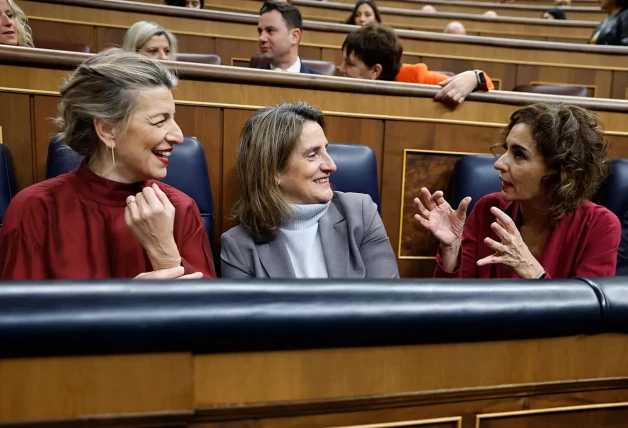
(294, 68)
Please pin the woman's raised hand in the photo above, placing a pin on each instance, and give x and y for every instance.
(150, 216)
(437, 216)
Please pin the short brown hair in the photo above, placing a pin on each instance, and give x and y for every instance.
(265, 145)
(105, 87)
(571, 141)
(376, 44)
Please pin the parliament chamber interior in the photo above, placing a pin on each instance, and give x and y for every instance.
(246, 213)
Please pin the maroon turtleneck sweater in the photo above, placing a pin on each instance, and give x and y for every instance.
(72, 227)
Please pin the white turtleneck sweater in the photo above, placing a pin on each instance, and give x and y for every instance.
(303, 240)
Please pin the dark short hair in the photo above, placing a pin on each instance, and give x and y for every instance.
(351, 19)
(376, 44)
(557, 13)
(571, 141)
(289, 13)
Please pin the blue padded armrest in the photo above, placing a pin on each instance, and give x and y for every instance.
(357, 170)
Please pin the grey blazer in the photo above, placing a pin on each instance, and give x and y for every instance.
(355, 245)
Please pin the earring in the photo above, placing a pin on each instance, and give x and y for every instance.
(113, 156)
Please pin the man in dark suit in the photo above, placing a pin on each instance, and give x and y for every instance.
(279, 29)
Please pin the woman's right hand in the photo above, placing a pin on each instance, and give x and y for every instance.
(172, 273)
(437, 216)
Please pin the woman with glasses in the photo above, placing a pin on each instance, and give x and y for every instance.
(551, 160)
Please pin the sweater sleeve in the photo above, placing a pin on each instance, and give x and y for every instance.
(599, 252)
(194, 247)
(20, 258)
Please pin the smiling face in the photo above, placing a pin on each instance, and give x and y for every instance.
(521, 166)
(142, 151)
(364, 15)
(157, 47)
(8, 30)
(305, 179)
(275, 39)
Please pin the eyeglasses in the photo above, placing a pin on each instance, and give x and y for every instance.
(498, 151)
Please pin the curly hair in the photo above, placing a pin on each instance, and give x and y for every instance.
(571, 141)
(24, 33)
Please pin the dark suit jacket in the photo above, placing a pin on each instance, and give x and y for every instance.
(613, 30)
(355, 245)
(304, 69)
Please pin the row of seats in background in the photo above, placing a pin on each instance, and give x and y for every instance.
(326, 68)
(357, 172)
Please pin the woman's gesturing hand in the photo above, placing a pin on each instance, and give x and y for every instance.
(511, 252)
(437, 216)
(150, 216)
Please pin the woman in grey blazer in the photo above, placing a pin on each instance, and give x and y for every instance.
(292, 225)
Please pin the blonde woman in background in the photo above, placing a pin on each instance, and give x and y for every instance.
(150, 39)
(14, 29)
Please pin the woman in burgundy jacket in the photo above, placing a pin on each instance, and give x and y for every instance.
(541, 225)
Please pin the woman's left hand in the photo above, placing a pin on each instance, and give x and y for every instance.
(511, 252)
(456, 89)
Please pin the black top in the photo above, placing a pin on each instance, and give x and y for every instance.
(612, 31)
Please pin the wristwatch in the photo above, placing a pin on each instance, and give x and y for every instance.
(482, 85)
(541, 275)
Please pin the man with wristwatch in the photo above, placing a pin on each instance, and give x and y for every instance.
(374, 52)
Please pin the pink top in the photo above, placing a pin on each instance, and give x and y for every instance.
(584, 243)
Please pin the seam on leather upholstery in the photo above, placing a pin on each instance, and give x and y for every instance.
(598, 292)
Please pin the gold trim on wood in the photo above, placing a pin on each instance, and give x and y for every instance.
(478, 418)
(1, 142)
(233, 59)
(326, 112)
(403, 189)
(457, 419)
(594, 87)
(335, 47)
(497, 82)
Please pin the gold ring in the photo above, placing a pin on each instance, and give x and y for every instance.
(131, 201)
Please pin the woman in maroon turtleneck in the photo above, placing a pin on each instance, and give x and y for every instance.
(109, 218)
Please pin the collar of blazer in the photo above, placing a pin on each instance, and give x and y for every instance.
(276, 260)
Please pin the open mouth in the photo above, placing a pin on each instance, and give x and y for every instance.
(322, 180)
(506, 184)
(163, 155)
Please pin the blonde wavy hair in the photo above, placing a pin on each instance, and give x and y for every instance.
(142, 31)
(24, 33)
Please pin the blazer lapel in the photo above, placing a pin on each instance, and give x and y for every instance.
(334, 236)
(275, 258)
